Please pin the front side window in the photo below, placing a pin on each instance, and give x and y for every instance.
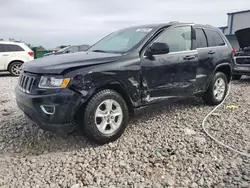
(201, 40)
(121, 41)
(83, 48)
(73, 49)
(63, 49)
(13, 48)
(178, 39)
(214, 38)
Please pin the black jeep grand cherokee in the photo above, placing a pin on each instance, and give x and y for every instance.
(127, 70)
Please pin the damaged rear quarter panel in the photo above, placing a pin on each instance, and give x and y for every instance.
(125, 73)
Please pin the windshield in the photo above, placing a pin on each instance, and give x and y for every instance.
(121, 41)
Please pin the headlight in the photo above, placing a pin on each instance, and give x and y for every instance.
(53, 82)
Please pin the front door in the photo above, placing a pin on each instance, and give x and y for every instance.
(173, 74)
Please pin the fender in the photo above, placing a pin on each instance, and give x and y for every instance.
(7, 66)
(228, 73)
(217, 67)
(85, 87)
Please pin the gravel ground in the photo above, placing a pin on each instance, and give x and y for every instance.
(164, 146)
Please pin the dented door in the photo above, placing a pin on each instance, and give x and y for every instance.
(170, 75)
(173, 74)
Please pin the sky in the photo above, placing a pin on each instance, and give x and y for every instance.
(51, 23)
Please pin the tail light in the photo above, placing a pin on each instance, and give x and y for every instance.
(233, 51)
(31, 54)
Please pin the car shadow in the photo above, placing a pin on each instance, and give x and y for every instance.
(164, 107)
(244, 79)
(20, 137)
(5, 74)
(23, 138)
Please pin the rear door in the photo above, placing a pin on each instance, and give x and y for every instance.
(173, 74)
(14, 52)
(218, 51)
(204, 58)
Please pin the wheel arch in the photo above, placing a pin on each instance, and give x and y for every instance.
(225, 68)
(13, 61)
(115, 86)
(120, 89)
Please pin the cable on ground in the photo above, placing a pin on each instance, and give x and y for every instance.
(213, 138)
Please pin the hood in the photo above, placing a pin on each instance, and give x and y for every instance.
(56, 64)
(243, 37)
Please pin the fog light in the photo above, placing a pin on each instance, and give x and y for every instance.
(48, 109)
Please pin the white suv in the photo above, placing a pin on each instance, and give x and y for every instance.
(13, 55)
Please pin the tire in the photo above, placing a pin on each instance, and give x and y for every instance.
(210, 96)
(98, 104)
(236, 77)
(15, 68)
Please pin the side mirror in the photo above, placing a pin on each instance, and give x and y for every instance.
(157, 49)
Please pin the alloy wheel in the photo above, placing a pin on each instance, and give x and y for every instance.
(219, 89)
(16, 69)
(108, 117)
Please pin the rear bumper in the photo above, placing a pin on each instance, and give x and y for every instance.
(62, 121)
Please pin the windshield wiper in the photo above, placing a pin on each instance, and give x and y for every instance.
(99, 51)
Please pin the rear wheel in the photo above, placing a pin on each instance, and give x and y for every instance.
(15, 68)
(236, 77)
(105, 117)
(217, 89)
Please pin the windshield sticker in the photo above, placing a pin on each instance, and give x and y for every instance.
(145, 30)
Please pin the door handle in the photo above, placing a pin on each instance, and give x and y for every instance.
(211, 52)
(5, 54)
(189, 57)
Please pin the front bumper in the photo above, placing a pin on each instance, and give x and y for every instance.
(241, 69)
(241, 66)
(62, 121)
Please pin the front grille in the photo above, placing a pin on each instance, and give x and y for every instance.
(243, 60)
(25, 83)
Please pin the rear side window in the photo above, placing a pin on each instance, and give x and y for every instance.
(214, 38)
(13, 48)
(201, 40)
(2, 49)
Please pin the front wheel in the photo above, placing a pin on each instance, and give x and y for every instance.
(105, 117)
(217, 89)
